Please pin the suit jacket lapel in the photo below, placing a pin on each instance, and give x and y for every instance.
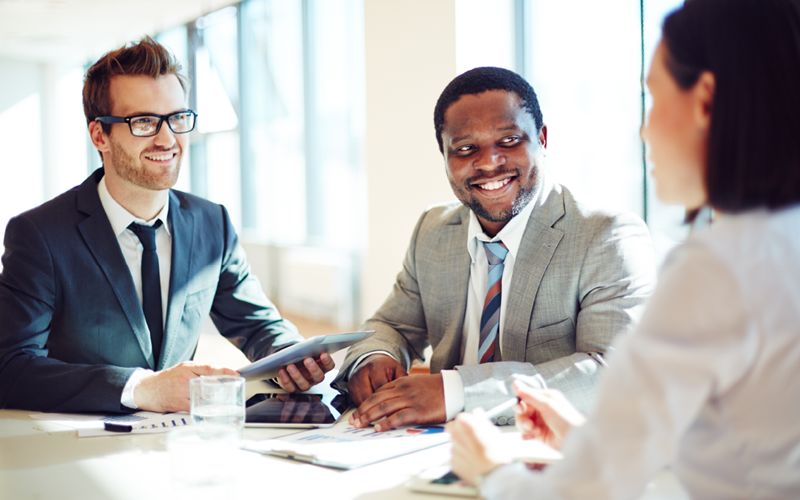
(538, 245)
(102, 243)
(454, 262)
(181, 223)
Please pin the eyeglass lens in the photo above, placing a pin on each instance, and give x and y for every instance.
(146, 125)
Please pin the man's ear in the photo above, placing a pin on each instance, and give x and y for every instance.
(98, 137)
(543, 136)
(703, 92)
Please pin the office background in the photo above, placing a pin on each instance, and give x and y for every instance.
(315, 117)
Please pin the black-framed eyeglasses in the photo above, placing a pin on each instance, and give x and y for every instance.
(180, 122)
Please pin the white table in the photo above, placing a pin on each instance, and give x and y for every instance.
(45, 460)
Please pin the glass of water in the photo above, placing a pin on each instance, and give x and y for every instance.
(217, 404)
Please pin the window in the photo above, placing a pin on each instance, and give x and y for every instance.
(584, 59)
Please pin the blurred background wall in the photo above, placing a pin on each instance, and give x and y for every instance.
(315, 118)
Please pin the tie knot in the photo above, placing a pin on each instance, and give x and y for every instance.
(146, 234)
(496, 252)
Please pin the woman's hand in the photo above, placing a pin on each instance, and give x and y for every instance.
(545, 414)
(476, 450)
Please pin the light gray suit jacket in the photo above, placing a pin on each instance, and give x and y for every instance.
(581, 278)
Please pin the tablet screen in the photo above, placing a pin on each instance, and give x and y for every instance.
(285, 410)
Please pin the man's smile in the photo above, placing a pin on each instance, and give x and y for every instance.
(493, 185)
(160, 156)
(489, 186)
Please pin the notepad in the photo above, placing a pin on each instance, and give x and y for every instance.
(142, 422)
(346, 447)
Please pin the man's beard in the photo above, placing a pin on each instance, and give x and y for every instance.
(464, 194)
(132, 170)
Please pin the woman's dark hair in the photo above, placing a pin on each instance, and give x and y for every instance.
(752, 47)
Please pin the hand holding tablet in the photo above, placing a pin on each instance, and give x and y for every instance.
(267, 368)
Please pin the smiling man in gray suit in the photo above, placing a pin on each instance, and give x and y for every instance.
(105, 289)
(518, 280)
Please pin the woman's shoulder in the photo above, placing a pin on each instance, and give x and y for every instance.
(753, 241)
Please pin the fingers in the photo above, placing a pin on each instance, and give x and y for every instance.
(327, 362)
(315, 373)
(359, 387)
(416, 399)
(200, 370)
(366, 381)
(298, 379)
(399, 371)
(375, 407)
(285, 381)
(293, 378)
(168, 390)
(469, 458)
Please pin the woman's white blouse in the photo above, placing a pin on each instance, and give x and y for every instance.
(709, 382)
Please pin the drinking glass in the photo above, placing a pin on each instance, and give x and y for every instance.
(217, 404)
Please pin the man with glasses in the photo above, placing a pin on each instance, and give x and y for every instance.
(105, 289)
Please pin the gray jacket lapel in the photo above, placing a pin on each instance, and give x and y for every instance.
(452, 258)
(538, 245)
(99, 237)
(183, 236)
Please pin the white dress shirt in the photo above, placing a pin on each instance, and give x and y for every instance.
(132, 250)
(707, 383)
(511, 236)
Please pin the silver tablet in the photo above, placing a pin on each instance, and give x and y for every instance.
(294, 410)
(267, 368)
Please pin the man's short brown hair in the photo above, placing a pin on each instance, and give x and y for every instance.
(147, 57)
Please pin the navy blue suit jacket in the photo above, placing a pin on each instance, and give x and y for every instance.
(72, 328)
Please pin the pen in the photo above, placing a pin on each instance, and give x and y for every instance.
(497, 410)
(117, 427)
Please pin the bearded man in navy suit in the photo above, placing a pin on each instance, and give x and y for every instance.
(92, 318)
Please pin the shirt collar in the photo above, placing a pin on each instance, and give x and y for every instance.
(510, 235)
(120, 218)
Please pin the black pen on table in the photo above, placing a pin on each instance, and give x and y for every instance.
(111, 427)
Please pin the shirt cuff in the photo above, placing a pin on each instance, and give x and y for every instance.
(357, 364)
(453, 393)
(130, 386)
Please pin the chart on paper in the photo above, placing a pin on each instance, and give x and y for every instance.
(347, 433)
(346, 447)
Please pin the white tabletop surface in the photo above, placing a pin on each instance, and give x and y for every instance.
(45, 460)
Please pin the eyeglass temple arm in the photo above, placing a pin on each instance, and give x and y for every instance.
(109, 119)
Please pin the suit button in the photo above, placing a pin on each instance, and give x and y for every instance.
(502, 421)
(512, 421)
(494, 420)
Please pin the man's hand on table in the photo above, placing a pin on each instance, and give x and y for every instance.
(168, 390)
(300, 378)
(375, 371)
(414, 399)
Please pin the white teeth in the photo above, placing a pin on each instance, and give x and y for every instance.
(161, 157)
(491, 186)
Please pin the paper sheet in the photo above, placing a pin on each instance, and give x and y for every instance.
(91, 425)
(344, 446)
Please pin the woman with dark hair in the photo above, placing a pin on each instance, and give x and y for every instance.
(709, 381)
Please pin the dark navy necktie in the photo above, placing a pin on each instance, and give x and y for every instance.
(151, 285)
(490, 318)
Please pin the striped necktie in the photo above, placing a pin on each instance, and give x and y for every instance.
(151, 285)
(490, 318)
